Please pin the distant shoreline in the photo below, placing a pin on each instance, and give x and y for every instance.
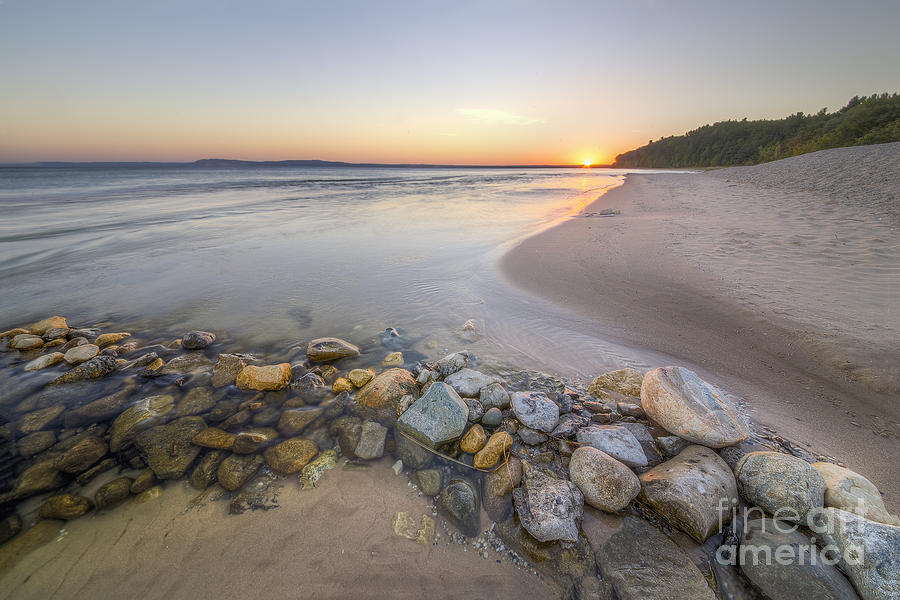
(230, 163)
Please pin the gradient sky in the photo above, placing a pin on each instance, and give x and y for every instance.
(418, 81)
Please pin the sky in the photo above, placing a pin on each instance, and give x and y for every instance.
(486, 82)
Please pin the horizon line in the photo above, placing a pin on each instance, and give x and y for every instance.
(230, 162)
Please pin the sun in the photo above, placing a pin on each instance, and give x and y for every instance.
(587, 163)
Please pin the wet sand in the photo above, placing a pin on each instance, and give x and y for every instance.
(334, 541)
(778, 282)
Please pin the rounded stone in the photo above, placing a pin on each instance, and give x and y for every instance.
(65, 506)
(291, 455)
(785, 486)
(495, 448)
(197, 340)
(42, 362)
(606, 483)
(54, 322)
(328, 349)
(80, 354)
(237, 469)
(852, 492)
(267, 378)
(113, 492)
(492, 417)
(473, 440)
(360, 377)
(26, 341)
(458, 502)
(535, 410)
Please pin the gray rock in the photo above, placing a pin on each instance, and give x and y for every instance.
(469, 383)
(89, 333)
(643, 564)
(458, 502)
(429, 481)
(616, 441)
(530, 436)
(42, 362)
(783, 485)
(568, 425)
(492, 417)
(168, 449)
(438, 417)
(112, 493)
(197, 340)
(630, 409)
(371, 440)
(494, 396)
(535, 410)
(870, 551)
(97, 367)
(328, 349)
(80, 354)
(452, 363)
(671, 445)
(476, 410)
(695, 491)
(788, 579)
(566, 400)
(549, 508)
(646, 440)
(606, 483)
(412, 454)
(691, 408)
(226, 369)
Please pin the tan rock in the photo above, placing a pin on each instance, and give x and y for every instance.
(360, 377)
(394, 359)
(82, 455)
(407, 527)
(213, 437)
(294, 421)
(267, 378)
(156, 365)
(498, 444)
(26, 341)
(850, 491)
(42, 362)
(80, 354)
(14, 332)
(105, 339)
(227, 369)
(39, 419)
(473, 440)
(327, 372)
(624, 381)
(43, 325)
(341, 385)
(606, 483)
(327, 349)
(237, 469)
(291, 455)
(65, 506)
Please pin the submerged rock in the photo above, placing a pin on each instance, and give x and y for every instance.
(360, 377)
(410, 453)
(616, 441)
(42, 362)
(469, 383)
(110, 338)
(80, 354)
(380, 398)
(691, 408)
(458, 502)
(39, 477)
(39, 419)
(97, 367)
(535, 410)
(186, 363)
(269, 377)
(237, 469)
(310, 387)
(82, 455)
(371, 441)
(429, 481)
(197, 401)
(26, 341)
(407, 527)
(99, 410)
(291, 455)
(9, 527)
(142, 415)
(328, 349)
(197, 340)
(213, 437)
(259, 494)
(143, 482)
(41, 327)
(294, 421)
(549, 508)
(35, 442)
(204, 474)
(498, 487)
(606, 483)
(784, 486)
(474, 439)
(112, 493)
(438, 417)
(226, 369)
(311, 473)
(65, 506)
(168, 449)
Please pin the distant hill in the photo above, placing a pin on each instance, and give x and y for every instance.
(868, 120)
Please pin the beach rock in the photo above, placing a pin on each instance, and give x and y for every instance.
(226, 370)
(624, 381)
(56, 333)
(144, 414)
(82, 455)
(691, 408)
(42, 362)
(101, 467)
(168, 449)
(39, 419)
(476, 411)
(26, 341)
(294, 421)
(568, 425)
(473, 440)
(694, 491)
(530, 437)
(65, 506)
(438, 417)
(347, 430)
(549, 508)
(197, 401)
(870, 552)
(9, 527)
(394, 359)
(429, 481)
(311, 473)
(237, 469)
(259, 494)
(788, 579)
(112, 493)
(407, 527)
(535, 410)
(326, 372)
(341, 384)
(143, 482)
(110, 338)
(269, 377)
(39, 477)
(458, 502)
(328, 349)
(496, 447)
(412, 454)
(97, 367)
(371, 441)
(81, 354)
(11, 333)
(492, 417)
(469, 383)
(360, 377)
(606, 483)
(204, 474)
(452, 363)
(213, 437)
(852, 492)
(89, 333)
(783, 485)
(197, 340)
(643, 564)
(41, 327)
(498, 487)
(567, 400)
(616, 441)
(72, 343)
(36, 442)
(630, 410)
(291, 455)
(382, 395)
(310, 387)
(494, 396)
(247, 442)
(186, 363)
(672, 445)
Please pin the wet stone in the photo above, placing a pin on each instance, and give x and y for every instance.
(112, 493)
(412, 454)
(99, 410)
(549, 508)
(197, 340)
(429, 481)
(259, 494)
(97, 367)
(9, 527)
(82, 455)
(143, 482)
(142, 415)
(438, 417)
(458, 502)
(213, 437)
(168, 448)
(530, 436)
(371, 441)
(40, 419)
(36, 442)
(186, 363)
(45, 361)
(347, 430)
(39, 477)
(197, 401)
(535, 410)
(204, 474)
(492, 417)
(226, 370)
(237, 469)
(254, 439)
(310, 388)
(291, 455)
(328, 349)
(101, 467)
(65, 506)
(312, 472)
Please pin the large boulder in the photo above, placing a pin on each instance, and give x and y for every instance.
(266, 378)
(695, 491)
(606, 483)
(469, 383)
(168, 448)
(852, 492)
(438, 417)
(797, 577)
(327, 349)
(691, 408)
(549, 508)
(785, 486)
(616, 441)
(535, 410)
(870, 552)
(380, 398)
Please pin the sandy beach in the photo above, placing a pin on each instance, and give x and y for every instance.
(778, 282)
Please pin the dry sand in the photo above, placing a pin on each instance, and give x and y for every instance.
(334, 541)
(779, 282)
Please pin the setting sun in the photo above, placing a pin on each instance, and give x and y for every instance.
(587, 162)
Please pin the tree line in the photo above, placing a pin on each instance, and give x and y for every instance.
(864, 120)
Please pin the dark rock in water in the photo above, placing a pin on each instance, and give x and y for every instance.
(310, 387)
(291, 455)
(168, 448)
(452, 363)
(197, 340)
(328, 349)
(790, 579)
(197, 401)
(145, 481)
(476, 410)
(73, 343)
(393, 339)
(39, 477)
(492, 417)
(237, 420)
(643, 564)
(347, 430)
(65, 506)
(89, 333)
(498, 487)
(412, 454)
(112, 493)
(99, 410)
(36, 442)
(458, 502)
(9, 527)
(429, 481)
(336, 406)
(438, 417)
(97, 367)
(101, 467)
(294, 421)
(186, 363)
(237, 469)
(531, 437)
(494, 396)
(223, 410)
(82, 455)
(549, 508)
(371, 441)
(213, 437)
(142, 415)
(378, 400)
(267, 416)
(254, 439)
(259, 494)
(40, 419)
(205, 472)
